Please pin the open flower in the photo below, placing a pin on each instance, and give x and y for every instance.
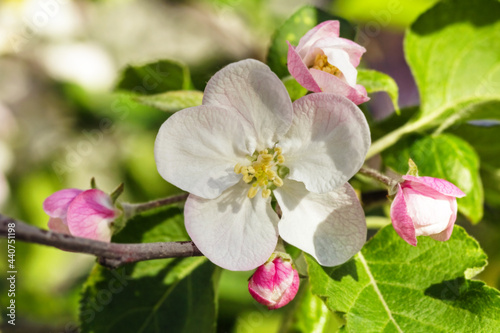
(425, 206)
(275, 283)
(325, 62)
(246, 142)
(86, 214)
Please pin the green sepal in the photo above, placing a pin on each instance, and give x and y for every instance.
(412, 168)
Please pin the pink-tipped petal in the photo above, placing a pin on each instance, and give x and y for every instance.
(57, 225)
(354, 50)
(440, 185)
(446, 233)
(57, 204)
(274, 284)
(330, 83)
(331, 47)
(401, 221)
(90, 215)
(429, 212)
(299, 70)
(341, 53)
(361, 96)
(322, 30)
(340, 59)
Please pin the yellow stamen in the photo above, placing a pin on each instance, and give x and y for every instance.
(252, 192)
(237, 168)
(278, 181)
(321, 63)
(247, 179)
(263, 171)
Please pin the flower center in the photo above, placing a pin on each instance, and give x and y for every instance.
(265, 172)
(321, 63)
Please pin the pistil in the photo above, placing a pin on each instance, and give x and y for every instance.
(262, 173)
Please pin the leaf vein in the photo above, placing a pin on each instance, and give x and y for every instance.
(375, 287)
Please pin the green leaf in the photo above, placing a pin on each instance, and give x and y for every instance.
(454, 53)
(167, 295)
(155, 78)
(379, 14)
(480, 137)
(491, 180)
(447, 157)
(172, 101)
(391, 286)
(295, 90)
(293, 29)
(375, 81)
(308, 313)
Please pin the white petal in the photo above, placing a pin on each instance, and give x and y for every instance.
(233, 231)
(340, 59)
(331, 226)
(250, 88)
(327, 142)
(430, 214)
(197, 148)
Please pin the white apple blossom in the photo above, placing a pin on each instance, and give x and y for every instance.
(248, 138)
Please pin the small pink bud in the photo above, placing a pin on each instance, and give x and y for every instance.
(275, 283)
(425, 206)
(325, 62)
(87, 214)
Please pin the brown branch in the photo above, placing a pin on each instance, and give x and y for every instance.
(111, 255)
(372, 173)
(132, 209)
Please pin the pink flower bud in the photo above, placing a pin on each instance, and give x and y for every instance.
(325, 62)
(274, 284)
(87, 214)
(425, 206)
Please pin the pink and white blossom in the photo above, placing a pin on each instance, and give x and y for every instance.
(248, 141)
(87, 214)
(425, 206)
(275, 283)
(325, 62)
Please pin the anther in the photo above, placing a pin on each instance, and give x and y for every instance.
(237, 168)
(278, 181)
(252, 192)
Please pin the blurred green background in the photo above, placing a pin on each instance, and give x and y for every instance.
(61, 124)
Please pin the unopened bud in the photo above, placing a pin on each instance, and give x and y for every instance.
(274, 283)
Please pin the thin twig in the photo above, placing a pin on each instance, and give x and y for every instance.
(372, 173)
(132, 209)
(111, 255)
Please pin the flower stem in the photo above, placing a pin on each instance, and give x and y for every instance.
(372, 173)
(132, 209)
(391, 138)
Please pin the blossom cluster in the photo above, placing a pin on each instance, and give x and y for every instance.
(259, 168)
